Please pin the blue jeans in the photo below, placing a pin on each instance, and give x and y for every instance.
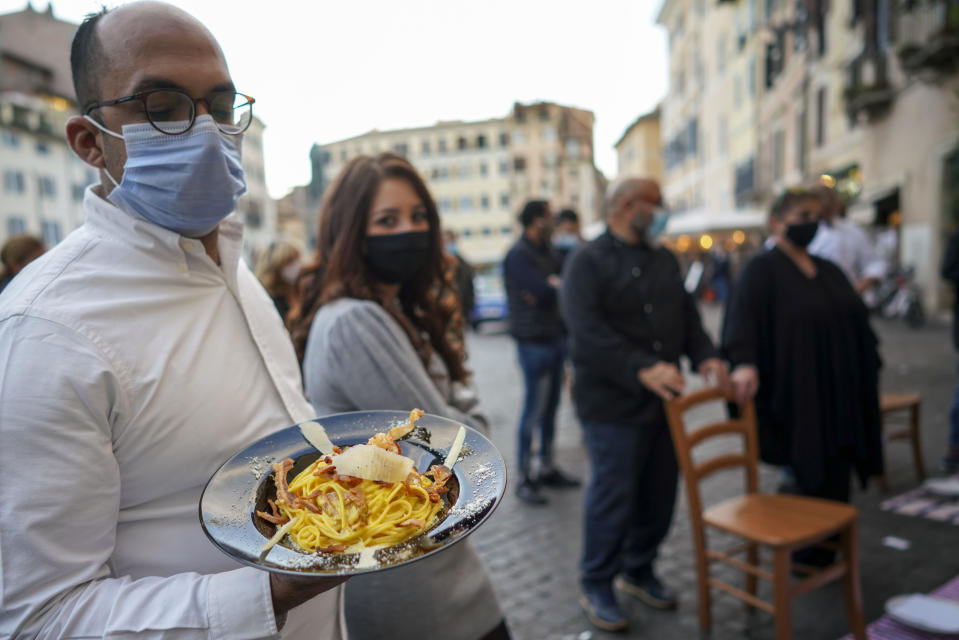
(542, 365)
(630, 497)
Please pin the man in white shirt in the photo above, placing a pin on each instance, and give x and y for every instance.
(846, 244)
(136, 357)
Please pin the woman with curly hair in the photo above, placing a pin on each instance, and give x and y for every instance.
(378, 326)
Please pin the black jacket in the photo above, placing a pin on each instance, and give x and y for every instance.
(626, 309)
(950, 271)
(533, 303)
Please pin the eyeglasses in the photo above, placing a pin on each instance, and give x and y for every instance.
(173, 112)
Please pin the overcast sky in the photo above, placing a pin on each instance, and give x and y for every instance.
(323, 70)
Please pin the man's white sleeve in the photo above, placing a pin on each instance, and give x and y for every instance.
(59, 504)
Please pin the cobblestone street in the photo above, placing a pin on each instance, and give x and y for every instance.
(532, 552)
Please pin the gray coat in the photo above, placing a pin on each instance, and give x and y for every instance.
(359, 358)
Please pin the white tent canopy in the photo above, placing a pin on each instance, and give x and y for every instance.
(701, 221)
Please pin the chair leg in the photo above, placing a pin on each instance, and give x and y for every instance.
(705, 603)
(752, 557)
(781, 568)
(916, 449)
(848, 541)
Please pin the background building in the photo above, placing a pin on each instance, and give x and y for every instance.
(481, 173)
(639, 151)
(43, 181)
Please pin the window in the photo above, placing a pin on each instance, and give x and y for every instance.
(506, 230)
(254, 216)
(484, 202)
(801, 141)
(721, 54)
(504, 139)
(401, 148)
(51, 232)
(343, 155)
(467, 233)
(721, 143)
(503, 167)
(486, 231)
(751, 82)
(572, 148)
(821, 117)
(466, 203)
(442, 145)
(778, 154)
(466, 170)
(425, 147)
(461, 143)
(16, 226)
(504, 200)
(692, 136)
(13, 181)
(481, 141)
(544, 113)
(47, 187)
(445, 205)
(483, 169)
(681, 82)
(76, 192)
(549, 134)
(519, 138)
(519, 164)
(738, 91)
(43, 148)
(9, 139)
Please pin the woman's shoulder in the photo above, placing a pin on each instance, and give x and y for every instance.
(350, 312)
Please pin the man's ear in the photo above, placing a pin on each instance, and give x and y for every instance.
(84, 139)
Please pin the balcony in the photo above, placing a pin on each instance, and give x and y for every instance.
(868, 90)
(930, 33)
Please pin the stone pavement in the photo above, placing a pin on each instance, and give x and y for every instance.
(532, 552)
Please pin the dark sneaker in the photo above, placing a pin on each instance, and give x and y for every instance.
(648, 589)
(529, 493)
(600, 605)
(556, 478)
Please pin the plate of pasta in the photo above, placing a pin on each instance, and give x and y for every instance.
(353, 493)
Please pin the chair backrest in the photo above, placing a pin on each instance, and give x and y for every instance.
(684, 442)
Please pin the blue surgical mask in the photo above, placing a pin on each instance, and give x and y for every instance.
(565, 241)
(654, 227)
(186, 183)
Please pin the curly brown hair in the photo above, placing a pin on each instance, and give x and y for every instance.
(428, 305)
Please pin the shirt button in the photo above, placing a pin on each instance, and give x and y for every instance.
(637, 272)
(657, 346)
(181, 268)
(648, 309)
(187, 245)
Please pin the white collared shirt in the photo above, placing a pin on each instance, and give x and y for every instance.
(131, 367)
(847, 245)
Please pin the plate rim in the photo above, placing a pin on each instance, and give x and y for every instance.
(349, 571)
(894, 600)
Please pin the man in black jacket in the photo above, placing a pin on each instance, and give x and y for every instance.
(630, 320)
(950, 271)
(531, 271)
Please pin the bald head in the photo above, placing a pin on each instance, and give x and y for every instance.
(112, 41)
(631, 204)
(626, 188)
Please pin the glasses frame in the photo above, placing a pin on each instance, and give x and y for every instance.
(143, 95)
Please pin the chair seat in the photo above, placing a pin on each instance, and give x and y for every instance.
(780, 520)
(897, 401)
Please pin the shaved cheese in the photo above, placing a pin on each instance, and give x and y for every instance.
(372, 463)
(456, 448)
(277, 536)
(367, 559)
(315, 434)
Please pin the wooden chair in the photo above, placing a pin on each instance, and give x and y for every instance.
(782, 523)
(895, 402)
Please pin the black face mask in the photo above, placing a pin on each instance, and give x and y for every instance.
(802, 234)
(397, 258)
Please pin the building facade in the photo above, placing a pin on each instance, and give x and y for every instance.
(639, 151)
(480, 173)
(861, 94)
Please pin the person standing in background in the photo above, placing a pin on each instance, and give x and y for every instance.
(18, 252)
(630, 319)
(950, 271)
(531, 272)
(277, 270)
(567, 236)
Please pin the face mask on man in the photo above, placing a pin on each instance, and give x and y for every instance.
(565, 241)
(801, 234)
(397, 258)
(186, 183)
(650, 228)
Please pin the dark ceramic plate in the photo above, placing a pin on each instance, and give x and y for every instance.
(245, 482)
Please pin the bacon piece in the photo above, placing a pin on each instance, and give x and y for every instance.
(441, 473)
(329, 506)
(283, 495)
(357, 497)
(413, 522)
(348, 481)
(306, 504)
(383, 483)
(278, 520)
(329, 471)
(388, 440)
(337, 450)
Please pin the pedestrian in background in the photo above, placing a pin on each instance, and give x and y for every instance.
(18, 252)
(462, 275)
(277, 270)
(630, 320)
(950, 271)
(374, 328)
(844, 243)
(531, 272)
(567, 236)
(798, 338)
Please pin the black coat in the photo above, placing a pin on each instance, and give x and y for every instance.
(533, 302)
(950, 271)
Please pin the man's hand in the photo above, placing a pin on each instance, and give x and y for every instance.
(745, 380)
(715, 372)
(663, 379)
(292, 591)
(554, 281)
